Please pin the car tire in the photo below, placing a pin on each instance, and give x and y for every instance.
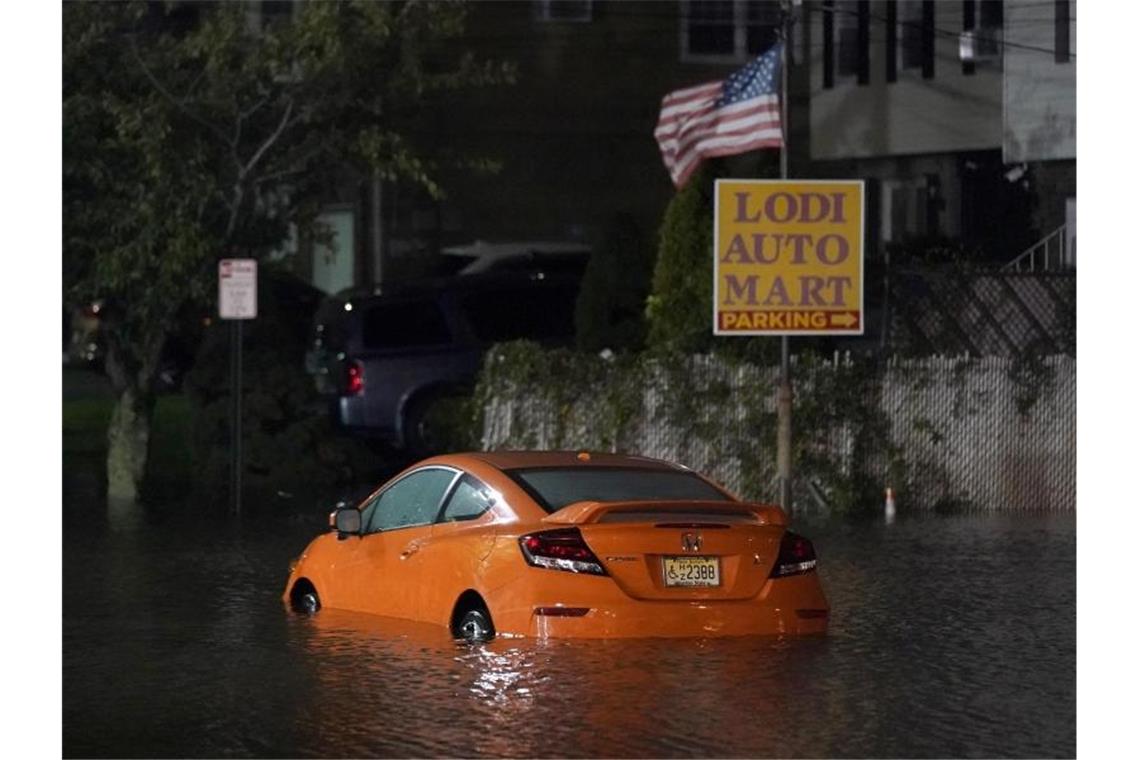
(475, 626)
(307, 602)
(425, 431)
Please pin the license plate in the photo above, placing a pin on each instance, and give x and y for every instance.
(691, 571)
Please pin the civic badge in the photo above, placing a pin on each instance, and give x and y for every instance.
(690, 542)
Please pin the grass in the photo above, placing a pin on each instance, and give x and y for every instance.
(170, 467)
(85, 425)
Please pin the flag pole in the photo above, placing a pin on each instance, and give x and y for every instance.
(784, 390)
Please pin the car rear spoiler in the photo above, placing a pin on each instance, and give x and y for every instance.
(583, 512)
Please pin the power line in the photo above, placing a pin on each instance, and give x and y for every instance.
(937, 31)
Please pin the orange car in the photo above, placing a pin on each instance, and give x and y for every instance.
(563, 544)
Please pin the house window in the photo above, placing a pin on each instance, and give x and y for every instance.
(892, 23)
(988, 35)
(981, 39)
(847, 31)
(906, 210)
(579, 11)
(762, 27)
(727, 31)
(852, 27)
(910, 33)
(968, 25)
(916, 35)
(828, 44)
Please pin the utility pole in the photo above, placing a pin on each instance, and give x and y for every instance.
(784, 391)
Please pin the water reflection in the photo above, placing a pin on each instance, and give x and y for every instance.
(527, 698)
(950, 637)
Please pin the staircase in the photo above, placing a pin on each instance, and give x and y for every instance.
(1050, 254)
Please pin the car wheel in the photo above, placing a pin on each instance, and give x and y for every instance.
(430, 424)
(475, 626)
(307, 602)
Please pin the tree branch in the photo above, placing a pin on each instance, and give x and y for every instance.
(170, 97)
(269, 140)
(297, 166)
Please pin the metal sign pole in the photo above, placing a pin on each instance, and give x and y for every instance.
(237, 302)
(784, 391)
(235, 416)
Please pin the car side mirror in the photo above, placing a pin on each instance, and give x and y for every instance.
(342, 504)
(347, 522)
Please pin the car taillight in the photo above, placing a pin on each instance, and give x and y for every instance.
(797, 555)
(562, 549)
(353, 378)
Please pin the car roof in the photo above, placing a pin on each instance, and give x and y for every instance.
(484, 249)
(510, 460)
(434, 286)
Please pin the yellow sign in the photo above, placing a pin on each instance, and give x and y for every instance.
(789, 257)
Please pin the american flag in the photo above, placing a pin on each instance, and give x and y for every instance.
(739, 114)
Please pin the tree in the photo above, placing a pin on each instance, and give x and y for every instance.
(192, 133)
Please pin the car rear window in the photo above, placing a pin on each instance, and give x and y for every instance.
(404, 324)
(556, 487)
(538, 312)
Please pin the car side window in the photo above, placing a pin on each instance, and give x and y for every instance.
(413, 500)
(469, 500)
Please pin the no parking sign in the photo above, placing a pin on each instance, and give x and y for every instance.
(237, 288)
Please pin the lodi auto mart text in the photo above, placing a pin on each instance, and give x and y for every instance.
(789, 257)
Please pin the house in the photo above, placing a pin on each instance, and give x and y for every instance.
(960, 114)
(949, 125)
(572, 139)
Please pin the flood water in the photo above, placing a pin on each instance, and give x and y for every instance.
(950, 636)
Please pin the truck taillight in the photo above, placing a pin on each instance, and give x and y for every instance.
(562, 549)
(797, 555)
(353, 378)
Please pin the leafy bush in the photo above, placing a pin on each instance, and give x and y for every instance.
(289, 443)
(680, 303)
(611, 305)
(679, 309)
(716, 413)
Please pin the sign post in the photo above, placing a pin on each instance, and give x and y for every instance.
(237, 302)
(788, 261)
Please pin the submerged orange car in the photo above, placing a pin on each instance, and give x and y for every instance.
(563, 544)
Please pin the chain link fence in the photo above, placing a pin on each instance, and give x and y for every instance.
(993, 433)
(982, 313)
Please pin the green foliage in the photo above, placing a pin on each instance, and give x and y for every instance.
(289, 443)
(85, 422)
(610, 309)
(190, 135)
(1032, 376)
(679, 308)
(719, 410)
(193, 133)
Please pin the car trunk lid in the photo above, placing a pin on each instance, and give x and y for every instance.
(681, 550)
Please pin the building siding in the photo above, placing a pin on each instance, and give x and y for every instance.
(1040, 115)
(950, 112)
